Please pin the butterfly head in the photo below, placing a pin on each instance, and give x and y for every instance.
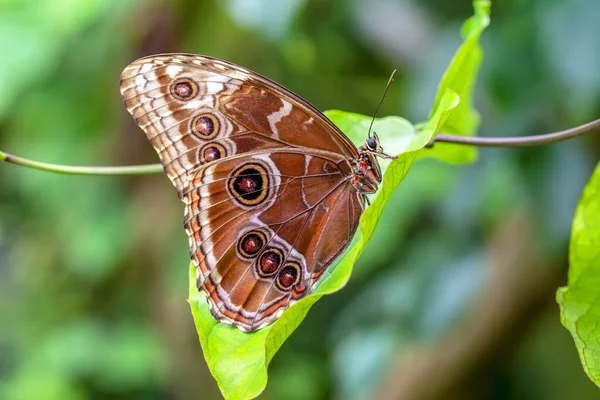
(372, 144)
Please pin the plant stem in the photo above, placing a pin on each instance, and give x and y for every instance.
(81, 170)
(522, 141)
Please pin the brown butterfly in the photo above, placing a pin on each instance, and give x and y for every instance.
(273, 190)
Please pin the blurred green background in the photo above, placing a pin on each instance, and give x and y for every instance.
(454, 296)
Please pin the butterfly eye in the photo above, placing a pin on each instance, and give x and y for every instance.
(288, 276)
(205, 126)
(269, 262)
(184, 89)
(211, 152)
(251, 244)
(372, 143)
(249, 184)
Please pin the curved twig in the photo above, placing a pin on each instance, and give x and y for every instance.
(82, 170)
(521, 141)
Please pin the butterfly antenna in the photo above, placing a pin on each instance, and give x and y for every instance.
(387, 86)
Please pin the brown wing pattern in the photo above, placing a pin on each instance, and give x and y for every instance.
(255, 258)
(183, 101)
(265, 178)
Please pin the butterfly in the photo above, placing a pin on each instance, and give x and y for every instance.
(273, 190)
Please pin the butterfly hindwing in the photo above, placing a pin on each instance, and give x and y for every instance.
(263, 228)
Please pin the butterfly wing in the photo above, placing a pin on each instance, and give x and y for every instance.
(264, 175)
(263, 228)
(186, 102)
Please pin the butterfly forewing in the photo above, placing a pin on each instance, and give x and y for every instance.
(266, 179)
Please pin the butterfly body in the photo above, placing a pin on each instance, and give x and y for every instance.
(273, 191)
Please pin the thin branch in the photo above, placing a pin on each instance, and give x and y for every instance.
(81, 170)
(521, 141)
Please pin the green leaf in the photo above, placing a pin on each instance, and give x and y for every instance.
(239, 360)
(460, 78)
(580, 301)
(399, 132)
